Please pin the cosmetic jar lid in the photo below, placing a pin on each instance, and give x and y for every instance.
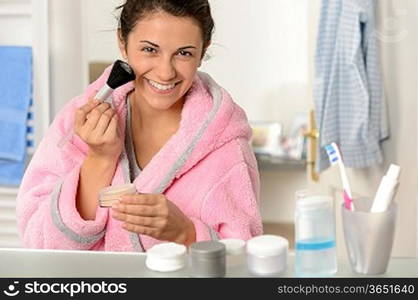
(112, 193)
(233, 246)
(166, 257)
(207, 249)
(122, 189)
(314, 202)
(267, 245)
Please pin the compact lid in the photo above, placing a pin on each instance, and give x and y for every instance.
(314, 202)
(207, 249)
(167, 251)
(166, 257)
(267, 245)
(123, 189)
(234, 246)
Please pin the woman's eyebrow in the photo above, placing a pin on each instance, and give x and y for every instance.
(186, 47)
(157, 46)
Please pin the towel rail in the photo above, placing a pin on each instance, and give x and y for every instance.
(8, 191)
(10, 244)
(15, 8)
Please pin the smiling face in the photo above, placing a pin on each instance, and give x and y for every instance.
(164, 51)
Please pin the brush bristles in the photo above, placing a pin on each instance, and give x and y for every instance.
(120, 74)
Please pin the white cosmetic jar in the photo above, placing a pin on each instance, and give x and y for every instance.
(166, 257)
(267, 255)
(235, 251)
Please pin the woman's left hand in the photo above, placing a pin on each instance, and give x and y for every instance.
(156, 216)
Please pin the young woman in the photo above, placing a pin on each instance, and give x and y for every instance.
(173, 132)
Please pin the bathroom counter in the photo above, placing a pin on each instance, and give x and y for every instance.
(19, 263)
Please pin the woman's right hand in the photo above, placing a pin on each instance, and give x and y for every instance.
(96, 123)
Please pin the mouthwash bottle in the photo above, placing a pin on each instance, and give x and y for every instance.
(315, 237)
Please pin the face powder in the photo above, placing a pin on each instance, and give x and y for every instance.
(111, 194)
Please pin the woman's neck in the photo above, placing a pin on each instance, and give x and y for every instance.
(148, 118)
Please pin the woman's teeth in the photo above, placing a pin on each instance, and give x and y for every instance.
(160, 86)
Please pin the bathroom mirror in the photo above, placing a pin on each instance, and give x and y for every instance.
(263, 53)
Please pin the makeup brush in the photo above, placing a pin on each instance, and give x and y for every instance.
(120, 74)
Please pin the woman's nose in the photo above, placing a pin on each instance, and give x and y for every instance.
(166, 70)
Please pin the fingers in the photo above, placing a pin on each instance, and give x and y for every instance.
(82, 112)
(142, 213)
(112, 127)
(147, 199)
(137, 220)
(95, 114)
(137, 210)
(96, 117)
(104, 120)
(140, 229)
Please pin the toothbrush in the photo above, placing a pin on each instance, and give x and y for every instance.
(335, 157)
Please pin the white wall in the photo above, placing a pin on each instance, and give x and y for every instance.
(101, 24)
(68, 73)
(259, 53)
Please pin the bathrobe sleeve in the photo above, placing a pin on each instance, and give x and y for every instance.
(231, 207)
(46, 207)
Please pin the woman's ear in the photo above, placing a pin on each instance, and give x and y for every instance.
(122, 45)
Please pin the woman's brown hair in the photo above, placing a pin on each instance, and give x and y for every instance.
(134, 10)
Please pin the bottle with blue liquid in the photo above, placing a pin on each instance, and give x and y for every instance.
(315, 237)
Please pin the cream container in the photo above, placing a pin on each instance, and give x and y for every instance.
(166, 257)
(267, 255)
(112, 194)
(207, 259)
(235, 251)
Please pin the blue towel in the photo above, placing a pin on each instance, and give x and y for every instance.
(15, 96)
(348, 91)
(11, 172)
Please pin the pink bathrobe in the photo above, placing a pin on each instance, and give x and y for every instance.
(207, 168)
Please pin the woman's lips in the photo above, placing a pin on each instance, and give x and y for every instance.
(153, 85)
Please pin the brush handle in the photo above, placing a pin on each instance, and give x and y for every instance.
(348, 197)
(344, 179)
(104, 95)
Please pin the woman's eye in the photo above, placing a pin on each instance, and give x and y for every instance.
(185, 53)
(149, 49)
